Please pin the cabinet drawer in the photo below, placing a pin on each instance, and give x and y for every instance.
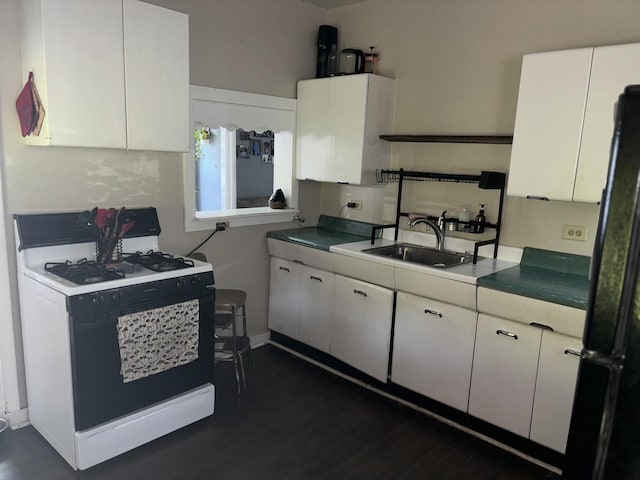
(563, 319)
(450, 291)
(368, 271)
(300, 254)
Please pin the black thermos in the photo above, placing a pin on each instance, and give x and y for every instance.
(327, 36)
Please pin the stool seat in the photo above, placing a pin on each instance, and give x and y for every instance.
(227, 299)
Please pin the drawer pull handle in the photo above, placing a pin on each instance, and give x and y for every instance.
(313, 277)
(541, 325)
(298, 261)
(537, 197)
(507, 334)
(360, 292)
(433, 312)
(284, 269)
(571, 351)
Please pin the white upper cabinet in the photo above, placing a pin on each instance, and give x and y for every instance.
(111, 73)
(546, 136)
(564, 121)
(74, 48)
(613, 68)
(156, 59)
(339, 123)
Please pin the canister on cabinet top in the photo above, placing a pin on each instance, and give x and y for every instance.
(371, 61)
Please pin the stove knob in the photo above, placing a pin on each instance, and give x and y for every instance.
(194, 281)
(114, 296)
(180, 283)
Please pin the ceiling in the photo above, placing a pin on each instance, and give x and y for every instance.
(332, 3)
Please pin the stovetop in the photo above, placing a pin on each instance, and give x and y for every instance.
(85, 272)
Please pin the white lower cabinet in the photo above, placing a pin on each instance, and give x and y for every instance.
(284, 297)
(524, 379)
(316, 307)
(555, 389)
(433, 349)
(361, 329)
(504, 373)
(301, 303)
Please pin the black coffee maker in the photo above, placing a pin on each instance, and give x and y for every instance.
(327, 65)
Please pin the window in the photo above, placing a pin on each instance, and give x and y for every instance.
(241, 141)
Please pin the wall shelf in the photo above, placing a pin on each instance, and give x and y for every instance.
(486, 139)
(485, 180)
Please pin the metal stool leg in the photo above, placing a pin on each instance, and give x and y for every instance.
(236, 357)
(244, 327)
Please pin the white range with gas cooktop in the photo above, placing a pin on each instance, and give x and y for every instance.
(117, 355)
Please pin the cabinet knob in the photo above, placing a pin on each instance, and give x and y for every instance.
(537, 197)
(313, 277)
(506, 333)
(284, 269)
(571, 351)
(433, 312)
(360, 292)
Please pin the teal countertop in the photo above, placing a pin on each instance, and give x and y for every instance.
(329, 231)
(545, 275)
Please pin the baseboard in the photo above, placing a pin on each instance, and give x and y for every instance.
(18, 419)
(260, 340)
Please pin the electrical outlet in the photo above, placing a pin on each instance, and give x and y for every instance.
(221, 226)
(574, 232)
(357, 204)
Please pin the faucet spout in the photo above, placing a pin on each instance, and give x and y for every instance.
(436, 229)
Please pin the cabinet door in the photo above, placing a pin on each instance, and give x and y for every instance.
(74, 48)
(613, 68)
(314, 143)
(156, 56)
(504, 373)
(316, 306)
(548, 127)
(433, 349)
(347, 110)
(555, 389)
(284, 288)
(361, 328)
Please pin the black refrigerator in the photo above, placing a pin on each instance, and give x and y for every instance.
(604, 438)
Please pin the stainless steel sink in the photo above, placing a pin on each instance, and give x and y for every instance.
(422, 255)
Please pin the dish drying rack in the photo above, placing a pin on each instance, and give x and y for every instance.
(485, 180)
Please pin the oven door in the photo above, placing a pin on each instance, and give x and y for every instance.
(103, 388)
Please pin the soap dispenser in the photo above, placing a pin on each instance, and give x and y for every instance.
(480, 220)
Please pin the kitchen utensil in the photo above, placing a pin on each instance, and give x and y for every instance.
(351, 61)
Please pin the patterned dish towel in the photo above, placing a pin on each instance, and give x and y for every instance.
(156, 340)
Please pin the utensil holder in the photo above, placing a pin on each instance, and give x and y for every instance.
(109, 252)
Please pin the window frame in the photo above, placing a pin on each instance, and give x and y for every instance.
(284, 175)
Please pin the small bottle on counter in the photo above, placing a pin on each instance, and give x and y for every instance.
(464, 216)
(480, 220)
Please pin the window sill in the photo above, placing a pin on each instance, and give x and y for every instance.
(239, 217)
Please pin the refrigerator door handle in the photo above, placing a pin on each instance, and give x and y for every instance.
(597, 358)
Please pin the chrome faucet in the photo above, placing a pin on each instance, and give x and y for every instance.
(438, 228)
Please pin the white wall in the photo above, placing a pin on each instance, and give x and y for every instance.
(254, 46)
(457, 67)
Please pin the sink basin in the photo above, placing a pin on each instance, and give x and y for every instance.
(422, 255)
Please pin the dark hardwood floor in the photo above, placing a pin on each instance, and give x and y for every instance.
(295, 421)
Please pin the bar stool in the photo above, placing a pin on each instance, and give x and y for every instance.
(236, 347)
(232, 348)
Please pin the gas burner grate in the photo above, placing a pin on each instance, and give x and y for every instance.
(83, 272)
(158, 261)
